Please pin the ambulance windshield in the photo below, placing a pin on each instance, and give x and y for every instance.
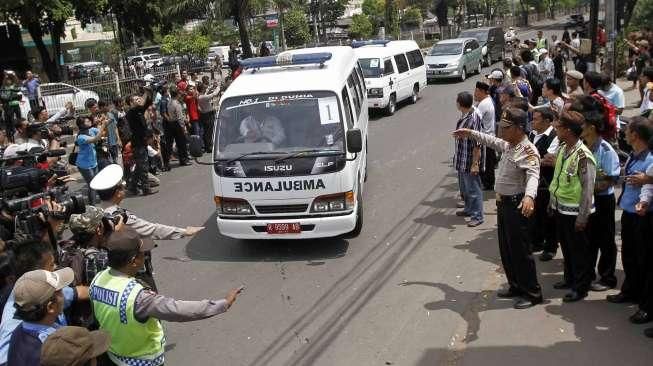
(279, 123)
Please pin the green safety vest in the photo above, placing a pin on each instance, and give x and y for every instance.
(541, 43)
(132, 343)
(566, 189)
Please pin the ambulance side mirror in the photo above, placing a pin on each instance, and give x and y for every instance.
(354, 141)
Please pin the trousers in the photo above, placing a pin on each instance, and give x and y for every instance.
(487, 175)
(575, 250)
(174, 133)
(516, 257)
(542, 230)
(141, 168)
(633, 254)
(207, 120)
(646, 302)
(470, 187)
(602, 238)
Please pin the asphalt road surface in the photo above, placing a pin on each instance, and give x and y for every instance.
(416, 288)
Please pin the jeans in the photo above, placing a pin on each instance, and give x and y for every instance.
(470, 186)
(142, 166)
(88, 175)
(196, 128)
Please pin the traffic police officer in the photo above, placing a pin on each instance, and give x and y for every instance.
(572, 200)
(111, 189)
(131, 313)
(516, 187)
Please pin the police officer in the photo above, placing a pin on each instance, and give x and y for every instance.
(131, 313)
(111, 189)
(572, 200)
(516, 188)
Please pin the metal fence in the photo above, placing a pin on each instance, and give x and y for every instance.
(107, 86)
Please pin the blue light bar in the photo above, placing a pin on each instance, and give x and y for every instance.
(286, 59)
(373, 42)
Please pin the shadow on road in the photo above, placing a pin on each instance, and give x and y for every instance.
(209, 245)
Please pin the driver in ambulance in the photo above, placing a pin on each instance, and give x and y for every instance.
(261, 127)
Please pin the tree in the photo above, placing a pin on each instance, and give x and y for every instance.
(637, 12)
(361, 27)
(375, 11)
(391, 18)
(186, 43)
(327, 12)
(412, 17)
(297, 31)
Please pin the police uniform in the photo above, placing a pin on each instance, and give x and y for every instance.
(517, 176)
(572, 200)
(131, 313)
(542, 226)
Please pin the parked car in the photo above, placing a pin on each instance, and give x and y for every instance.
(490, 39)
(55, 96)
(85, 69)
(454, 58)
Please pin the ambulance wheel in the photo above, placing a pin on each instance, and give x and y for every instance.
(359, 217)
(392, 106)
(415, 96)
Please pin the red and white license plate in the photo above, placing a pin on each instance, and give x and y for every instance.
(285, 228)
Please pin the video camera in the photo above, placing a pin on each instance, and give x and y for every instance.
(48, 132)
(109, 221)
(17, 181)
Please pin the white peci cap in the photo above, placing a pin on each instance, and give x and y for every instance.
(108, 177)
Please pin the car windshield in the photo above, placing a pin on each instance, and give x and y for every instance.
(279, 123)
(372, 67)
(479, 35)
(446, 49)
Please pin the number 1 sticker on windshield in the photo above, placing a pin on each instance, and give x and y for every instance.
(329, 110)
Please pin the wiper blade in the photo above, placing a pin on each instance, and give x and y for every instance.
(295, 154)
(250, 153)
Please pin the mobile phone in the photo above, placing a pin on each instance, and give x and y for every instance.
(241, 288)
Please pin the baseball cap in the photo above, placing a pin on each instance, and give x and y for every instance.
(86, 222)
(74, 346)
(107, 178)
(575, 74)
(543, 51)
(496, 75)
(128, 239)
(34, 288)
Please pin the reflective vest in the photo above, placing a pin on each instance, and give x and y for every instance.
(132, 343)
(566, 189)
(541, 43)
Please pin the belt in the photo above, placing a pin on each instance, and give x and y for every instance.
(515, 198)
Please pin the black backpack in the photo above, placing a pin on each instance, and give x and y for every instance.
(533, 76)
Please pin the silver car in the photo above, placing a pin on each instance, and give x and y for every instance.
(454, 58)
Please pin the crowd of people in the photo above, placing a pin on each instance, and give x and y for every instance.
(91, 298)
(567, 161)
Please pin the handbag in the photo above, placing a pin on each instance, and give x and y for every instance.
(72, 158)
(631, 73)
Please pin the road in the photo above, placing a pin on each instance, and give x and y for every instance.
(416, 288)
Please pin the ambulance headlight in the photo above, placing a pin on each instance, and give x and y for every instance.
(334, 203)
(232, 206)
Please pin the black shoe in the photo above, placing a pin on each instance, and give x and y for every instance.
(508, 294)
(166, 168)
(148, 192)
(574, 296)
(562, 285)
(185, 163)
(599, 287)
(523, 303)
(648, 332)
(619, 298)
(462, 213)
(546, 256)
(641, 317)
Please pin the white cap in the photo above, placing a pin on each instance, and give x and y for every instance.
(148, 77)
(108, 177)
(496, 74)
(511, 28)
(543, 51)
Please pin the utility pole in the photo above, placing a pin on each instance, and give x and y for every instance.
(611, 30)
(594, 25)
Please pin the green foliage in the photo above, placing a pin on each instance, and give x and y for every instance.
(217, 31)
(412, 17)
(296, 26)
(391, 18)
(642, 14)
(361, 27)
(186, 43)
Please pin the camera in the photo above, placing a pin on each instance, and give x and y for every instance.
(111, 220)
(18, 181)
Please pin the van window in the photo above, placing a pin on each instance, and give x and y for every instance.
(354, 95)
(473, 44)
(388, 68)
(402, 64)
(347, 106)
(415, 59)
(357, 83)
(361, 79)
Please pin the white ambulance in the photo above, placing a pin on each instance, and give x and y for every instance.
(290, 147)
(394, 71)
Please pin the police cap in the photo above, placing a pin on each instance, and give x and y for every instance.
(107, 178)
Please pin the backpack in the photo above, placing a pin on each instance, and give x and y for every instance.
(533, 76)
(609, 116)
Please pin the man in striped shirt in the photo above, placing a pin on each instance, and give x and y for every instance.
(466, 161)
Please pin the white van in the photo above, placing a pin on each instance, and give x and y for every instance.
(393, 70)
(290, 147)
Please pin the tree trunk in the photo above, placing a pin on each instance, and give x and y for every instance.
(282, 32)
(56, 32)
(49, 66)
(241, 18)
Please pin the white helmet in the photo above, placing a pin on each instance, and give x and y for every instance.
(148, 78)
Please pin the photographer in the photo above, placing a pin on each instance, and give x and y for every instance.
(86, 139)
(41, 114)
(138, 104)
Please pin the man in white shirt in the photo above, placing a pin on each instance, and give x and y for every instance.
(545, 66)
(485, 109)
(260, 127)
(615, 95)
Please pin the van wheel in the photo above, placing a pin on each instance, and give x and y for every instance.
(359, 217)
(392, 106)
(463, 74)
(415, 96)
